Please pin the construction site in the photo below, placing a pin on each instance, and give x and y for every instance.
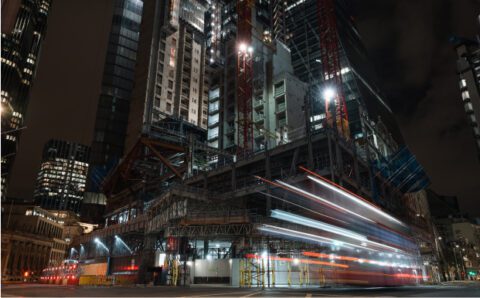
(299, 179)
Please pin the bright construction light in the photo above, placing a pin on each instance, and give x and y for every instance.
(329, 94)
(250, 50)
(100, 243)
(264, 255)
(242, 47)
(117, 238)
(355, 199)
(189, 263)
(295, 261)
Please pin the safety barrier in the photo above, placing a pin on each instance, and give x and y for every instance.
(103, 280)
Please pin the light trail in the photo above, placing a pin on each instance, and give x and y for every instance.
(356, 199)
(300, 206)
(282, 215)
(296, 261)
(355, 259)
(322, 200)
(306, 236)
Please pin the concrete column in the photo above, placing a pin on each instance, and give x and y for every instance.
(7, 258)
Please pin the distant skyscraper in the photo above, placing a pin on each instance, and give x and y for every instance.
(170, 78)
(62, 176)
(468, 69)
(23, 27)
(116, 90)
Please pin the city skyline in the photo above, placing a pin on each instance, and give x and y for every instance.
(286, 145)
(465, 188)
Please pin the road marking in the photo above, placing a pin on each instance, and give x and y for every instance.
(309, 295)
(228, 294)
(251, 294)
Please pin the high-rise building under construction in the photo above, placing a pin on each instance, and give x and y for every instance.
(170, 79)
(299, 164)
(255, 100)
(299, 24)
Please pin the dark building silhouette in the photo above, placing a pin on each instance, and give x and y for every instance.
(23, 28)
(116, 90)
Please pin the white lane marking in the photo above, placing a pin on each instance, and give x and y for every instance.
(252, 294)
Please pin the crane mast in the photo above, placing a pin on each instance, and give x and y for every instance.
(331, 68)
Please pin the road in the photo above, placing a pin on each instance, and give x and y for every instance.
(36, 290)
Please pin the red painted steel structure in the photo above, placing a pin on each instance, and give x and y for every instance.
(244, 76)
(330, 59)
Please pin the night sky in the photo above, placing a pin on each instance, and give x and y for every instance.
(408, 43)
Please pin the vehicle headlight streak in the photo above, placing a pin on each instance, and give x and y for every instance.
(322, 200)
(306, 236)
(282, 215)
(356, 200)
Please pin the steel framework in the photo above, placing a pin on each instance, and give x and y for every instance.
(330, 59)
(244, 76)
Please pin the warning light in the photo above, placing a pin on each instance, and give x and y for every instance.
(26, 274)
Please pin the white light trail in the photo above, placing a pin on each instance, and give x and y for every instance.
(282, 215)
(356, 200)
(306, 236)
(323, 200)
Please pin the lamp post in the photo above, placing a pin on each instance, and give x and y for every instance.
(455, 246)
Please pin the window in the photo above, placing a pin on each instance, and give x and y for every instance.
(170, 84)
(213, 119)
(213, 133)
(213, 107)
(169, 107)
(465, 95)
(169, 95)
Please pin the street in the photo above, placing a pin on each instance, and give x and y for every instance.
(37, 290)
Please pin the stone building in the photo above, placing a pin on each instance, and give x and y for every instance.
(32, 239)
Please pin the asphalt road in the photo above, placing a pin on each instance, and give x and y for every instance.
(35, 290)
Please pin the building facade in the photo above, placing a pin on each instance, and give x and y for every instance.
(63, 175)
(277, 95)
(170, 78)
(23, 29)
(468, 70)
(116, 90)
(32, 239)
